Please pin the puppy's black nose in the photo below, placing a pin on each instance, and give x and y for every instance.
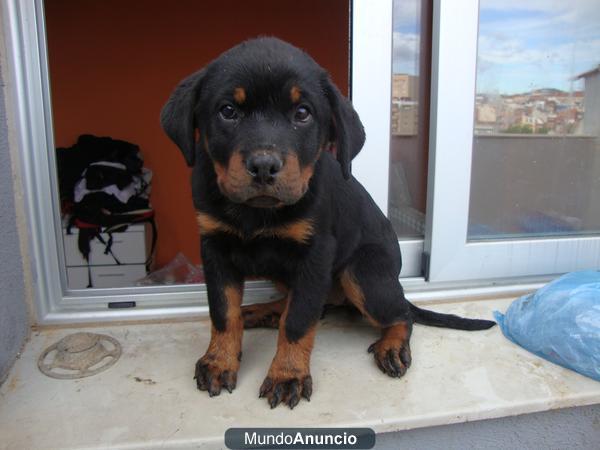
(264, 167)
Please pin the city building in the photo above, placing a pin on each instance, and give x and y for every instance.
(591, 118)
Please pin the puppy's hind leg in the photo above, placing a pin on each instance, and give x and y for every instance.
(265, 315)
(370, 283)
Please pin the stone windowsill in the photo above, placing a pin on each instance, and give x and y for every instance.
(149, 400)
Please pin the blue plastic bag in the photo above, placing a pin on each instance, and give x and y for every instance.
(560, 322)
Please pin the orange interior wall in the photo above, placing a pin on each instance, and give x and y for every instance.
(113, 64)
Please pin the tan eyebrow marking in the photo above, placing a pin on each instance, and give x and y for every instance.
(239, 95)
(295, 93)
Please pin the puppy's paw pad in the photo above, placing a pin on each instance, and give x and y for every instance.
(392, 359)
(287, 391)
(213, 378)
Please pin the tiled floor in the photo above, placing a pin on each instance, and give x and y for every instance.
(149, 400)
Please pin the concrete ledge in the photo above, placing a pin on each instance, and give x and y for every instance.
(456, 377)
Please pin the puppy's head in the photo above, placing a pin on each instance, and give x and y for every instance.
(264, 112)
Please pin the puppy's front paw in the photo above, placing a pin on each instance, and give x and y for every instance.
(286, 390)
(212, 375)
(393, 358)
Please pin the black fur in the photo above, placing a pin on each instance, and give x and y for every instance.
(349, 230)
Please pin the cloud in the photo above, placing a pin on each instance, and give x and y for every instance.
(536, 42)
(406, 15)
(406, 35)
(554, 18)
(522, 43)
(529, 5)
(508, 66)
(405, 52)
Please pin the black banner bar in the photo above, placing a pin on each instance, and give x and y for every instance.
(299, 438)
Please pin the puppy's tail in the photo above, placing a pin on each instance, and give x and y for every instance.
(435, 319)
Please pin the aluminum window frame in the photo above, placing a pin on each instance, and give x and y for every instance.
(371, 93)
(453, 89)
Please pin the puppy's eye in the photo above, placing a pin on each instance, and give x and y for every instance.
(302, 114)
(228, 112)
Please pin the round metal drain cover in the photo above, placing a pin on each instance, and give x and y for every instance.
(79, 355)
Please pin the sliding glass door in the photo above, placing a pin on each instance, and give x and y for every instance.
(482, 141)
(516, 142)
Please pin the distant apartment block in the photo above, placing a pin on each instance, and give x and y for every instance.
(404, 86)
(486, 114)
(405, 107)
(591, 119)
(405, 118)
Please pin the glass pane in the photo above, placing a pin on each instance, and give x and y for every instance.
(536, 159)
(409, 120)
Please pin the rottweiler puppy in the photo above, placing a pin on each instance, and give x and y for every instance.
(271, 139)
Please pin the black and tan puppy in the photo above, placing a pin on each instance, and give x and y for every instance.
(260, 125)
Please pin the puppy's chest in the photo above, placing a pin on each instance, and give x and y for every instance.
(266, 257)
(271, 251)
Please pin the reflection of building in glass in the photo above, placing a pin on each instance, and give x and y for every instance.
(404, 86)
(405, 111)
(486, 118)
(591, 120)
(542, 111)
(546, 183)
(405, 117)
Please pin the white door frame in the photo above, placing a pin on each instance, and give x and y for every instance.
(371, 92)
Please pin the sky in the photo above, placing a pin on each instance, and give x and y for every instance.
(523, 44)
(406, 25)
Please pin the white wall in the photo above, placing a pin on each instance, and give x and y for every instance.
(14, 320)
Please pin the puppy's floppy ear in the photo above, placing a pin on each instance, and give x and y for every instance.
(347, 131)
(177, 116)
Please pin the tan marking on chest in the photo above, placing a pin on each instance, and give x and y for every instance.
(210, 225)
(299, 231)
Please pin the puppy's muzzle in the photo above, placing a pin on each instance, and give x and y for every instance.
(264, 167)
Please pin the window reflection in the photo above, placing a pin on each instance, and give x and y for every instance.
(535, 167)
(409, 117)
